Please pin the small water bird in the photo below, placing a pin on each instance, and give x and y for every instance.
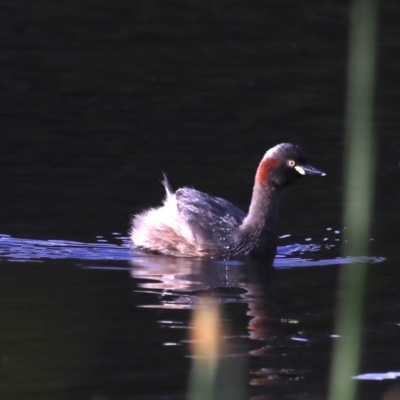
(191, 223)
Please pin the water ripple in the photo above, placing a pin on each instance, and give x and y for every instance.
(20, 249)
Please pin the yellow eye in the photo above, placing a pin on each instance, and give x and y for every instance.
(291, 163)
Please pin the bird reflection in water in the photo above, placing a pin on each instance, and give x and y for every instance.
(269, 366)
(181, 282)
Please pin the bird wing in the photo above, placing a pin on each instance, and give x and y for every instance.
(210, 218)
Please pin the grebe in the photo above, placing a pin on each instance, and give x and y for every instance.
(194, 224)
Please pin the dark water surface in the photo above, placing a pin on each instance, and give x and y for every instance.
(97, 99)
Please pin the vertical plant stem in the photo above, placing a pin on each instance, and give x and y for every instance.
(359, 173)
(206, 349)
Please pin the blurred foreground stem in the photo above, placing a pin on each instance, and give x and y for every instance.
(359, 173)
(206, 349)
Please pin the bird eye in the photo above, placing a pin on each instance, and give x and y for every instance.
(291, 163)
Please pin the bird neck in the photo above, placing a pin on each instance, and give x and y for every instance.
(263, 210)
(256, 235)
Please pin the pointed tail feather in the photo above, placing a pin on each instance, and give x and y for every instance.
(167, 186)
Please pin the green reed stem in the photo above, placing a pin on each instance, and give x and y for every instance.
(359, 173)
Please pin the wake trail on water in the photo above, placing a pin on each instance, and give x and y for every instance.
(23, 250)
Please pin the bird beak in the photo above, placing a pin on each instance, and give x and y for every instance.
(308, 170)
